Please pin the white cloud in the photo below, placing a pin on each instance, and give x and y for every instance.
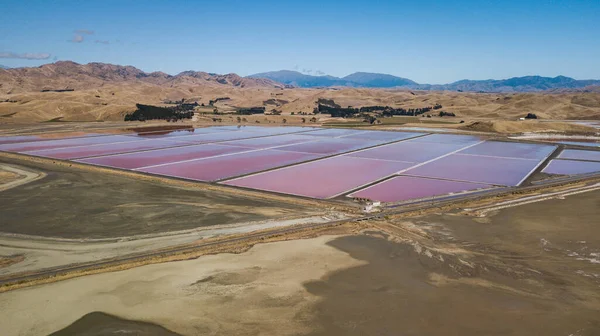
(77, 38)
(309, 71)
(102, 42)
(78, 35)
(28, 56)
(84, 31)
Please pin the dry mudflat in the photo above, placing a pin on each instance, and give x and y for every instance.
(56, 214)
(260, 291)
(79, 203)
(7, 176)
(527, 270)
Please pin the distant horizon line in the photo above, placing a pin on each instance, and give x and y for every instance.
(389, 74)
(4, 67)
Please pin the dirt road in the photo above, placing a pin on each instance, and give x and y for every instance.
(525, 270)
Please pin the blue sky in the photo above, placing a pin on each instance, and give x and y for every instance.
(429, 41)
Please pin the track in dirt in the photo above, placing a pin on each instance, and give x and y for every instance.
(252, 238)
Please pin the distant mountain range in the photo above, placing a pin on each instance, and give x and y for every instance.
(70, 75)
(376, 80)
(357, 79)
(100, 91)
(515, 84)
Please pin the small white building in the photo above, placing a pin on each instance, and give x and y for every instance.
(372, 207)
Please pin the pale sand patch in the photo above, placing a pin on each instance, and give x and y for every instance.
(260, 290)
(11, 176)
(40, 252)
(6, 176)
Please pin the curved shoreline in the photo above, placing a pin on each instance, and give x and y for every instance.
(27, 176)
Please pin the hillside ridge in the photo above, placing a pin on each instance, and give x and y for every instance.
(379, 80)
(70, 75)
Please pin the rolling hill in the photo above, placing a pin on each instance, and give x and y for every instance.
(70, 75)
(98, 91)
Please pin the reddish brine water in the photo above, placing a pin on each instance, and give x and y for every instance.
(576, 154)
(404, 188)
(162, 156)
(105, 149)
(330, 145)
(221, 167)
(62, 143)
(279, 129)
(268, 129)
(449, 138)
(408, 151)
(479, 169)
(571, 167)
(384, 136)
(222, 136)
(48, 136)
(323, 178)
(511, 150)
(334, 132)
(176, 133)
(271, 141)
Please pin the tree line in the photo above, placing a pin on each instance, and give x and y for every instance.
(384, 111)
(171, 113)
(251, 110)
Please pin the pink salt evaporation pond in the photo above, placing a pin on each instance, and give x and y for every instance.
(271, 141)
(571, 167)
(176, 133)
(511, 150)
(47, 136)
(479, 169)
(323, 178)
(162, 156)
(575, 154)
(334, 132)
(384, 135)
(408, 151)
(403, 188)
(330, 145)
(268, 130)
(62, 143)
(221, 167)
(105, 149)
(221, 136)
(449, 139)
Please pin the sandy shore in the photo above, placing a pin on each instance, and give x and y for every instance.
(262, 287)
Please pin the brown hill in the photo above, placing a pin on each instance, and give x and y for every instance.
(529, 126)
(107, 92)
(70, 75)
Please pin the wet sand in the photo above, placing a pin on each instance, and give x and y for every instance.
(258, 292)
(95, 324)
(526, 270)
(403, 291)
